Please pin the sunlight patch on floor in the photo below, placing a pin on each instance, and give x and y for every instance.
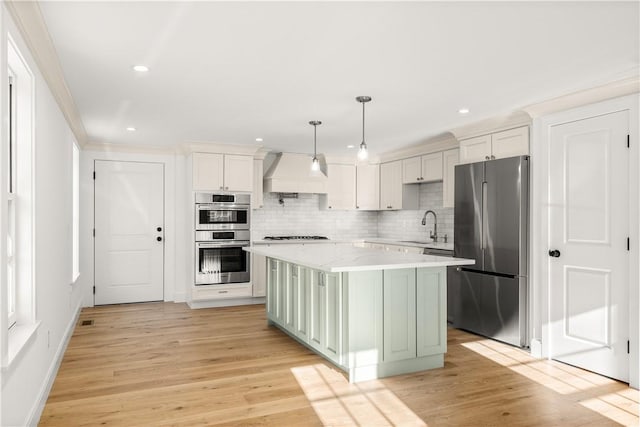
(338, 402)
(621, 406)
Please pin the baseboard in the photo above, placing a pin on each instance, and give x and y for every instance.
(36, 411)
(179, 297)
(225, 302)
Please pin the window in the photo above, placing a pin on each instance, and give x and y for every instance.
(76, 212)
(11, 201)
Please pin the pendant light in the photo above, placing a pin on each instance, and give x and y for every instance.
(315, 164)
(362, 152)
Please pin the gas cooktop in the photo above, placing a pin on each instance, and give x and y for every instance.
(296, 238)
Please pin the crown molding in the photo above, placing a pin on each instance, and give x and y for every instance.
(216, 147)
(493, 124)
(440, 142)
(615, 89)
(261, 153)
(130, 148)
(29, 21)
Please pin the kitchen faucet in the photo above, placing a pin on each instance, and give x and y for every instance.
(434, 234)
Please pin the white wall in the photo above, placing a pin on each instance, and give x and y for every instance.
(407, 224)
(25, 382)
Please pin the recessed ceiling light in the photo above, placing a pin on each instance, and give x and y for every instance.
(258, 139)
(131, 129)
(463, 111)
(350, 146)
(140, 68)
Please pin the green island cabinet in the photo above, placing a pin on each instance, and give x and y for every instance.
(371, 324)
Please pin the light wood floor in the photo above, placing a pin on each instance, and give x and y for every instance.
(163, 364)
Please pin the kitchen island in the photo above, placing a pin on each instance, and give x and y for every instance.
(372, 313)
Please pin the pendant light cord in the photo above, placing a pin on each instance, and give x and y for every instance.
(363, 123)
(314, 140)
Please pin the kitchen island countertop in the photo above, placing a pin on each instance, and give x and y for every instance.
(345, 257)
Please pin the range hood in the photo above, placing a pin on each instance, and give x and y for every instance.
(291, 173)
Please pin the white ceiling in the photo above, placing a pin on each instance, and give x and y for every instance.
(230, 72)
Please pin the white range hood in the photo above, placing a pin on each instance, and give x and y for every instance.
(291, 173)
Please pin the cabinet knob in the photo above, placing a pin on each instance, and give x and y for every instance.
(159, 239)
(493, 157)
(487, 158)
(357, 207)
(159, 228)
(221, 187)
(329, 207)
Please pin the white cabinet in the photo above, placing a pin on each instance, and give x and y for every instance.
(257, 195)
(399, 299)
(368, 187)
(273, 289)
(393, 193)
(450, 160)
(425, 168)
(302, 290)
(259, 274)
(341, 187)
(431, 303)
(325, 303)
(498, 145)
(222, 172)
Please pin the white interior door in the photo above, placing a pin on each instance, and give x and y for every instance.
(129, 232)
(589, 226)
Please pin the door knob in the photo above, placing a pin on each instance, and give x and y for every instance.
(159, 228)
(159, 239)
(554, 253)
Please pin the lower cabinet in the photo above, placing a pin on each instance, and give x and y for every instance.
(370, 323)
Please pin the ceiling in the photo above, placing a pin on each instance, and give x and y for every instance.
(230, 72)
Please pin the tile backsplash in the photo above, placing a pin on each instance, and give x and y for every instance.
(303, 216)
(407, 224)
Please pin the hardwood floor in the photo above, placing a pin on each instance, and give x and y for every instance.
(163, 364)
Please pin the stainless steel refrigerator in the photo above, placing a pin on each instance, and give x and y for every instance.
(491, 227)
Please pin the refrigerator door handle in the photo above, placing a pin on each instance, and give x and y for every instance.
(485, 217)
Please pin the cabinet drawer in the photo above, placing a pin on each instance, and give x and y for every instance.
(222, 291)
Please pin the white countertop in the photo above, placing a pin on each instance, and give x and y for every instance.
(415, 243)
(345, 257)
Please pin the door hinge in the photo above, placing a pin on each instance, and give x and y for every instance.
(94, 174)
(94, 290)
(628, 142)
(628, 244)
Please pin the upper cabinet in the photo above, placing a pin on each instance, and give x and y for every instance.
(393, 193)
(450, 160)
(422, 168)
(508, 143)
(341, 191)
(368, 187)
(222, 172)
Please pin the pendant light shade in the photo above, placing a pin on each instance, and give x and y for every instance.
(363, 154)
(315, 163)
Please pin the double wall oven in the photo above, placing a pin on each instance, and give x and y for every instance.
(222, 230)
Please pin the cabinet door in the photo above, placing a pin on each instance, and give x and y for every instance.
(449, 162)
(272, 289)
(431, 303)
(509, 143)
(391, 185)
(341, 192)
(257, 195)
(208, 172)
(368, 187)
(411, 170)
(290, 286)
(259, 274)
(399, 289)
(238, 173)
(432, 167)
(475, 149)
(281, 295)
(316, 312)
(301, 312)
(333, 315)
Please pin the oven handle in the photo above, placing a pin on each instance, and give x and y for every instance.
(222, 245)
(209, 206)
